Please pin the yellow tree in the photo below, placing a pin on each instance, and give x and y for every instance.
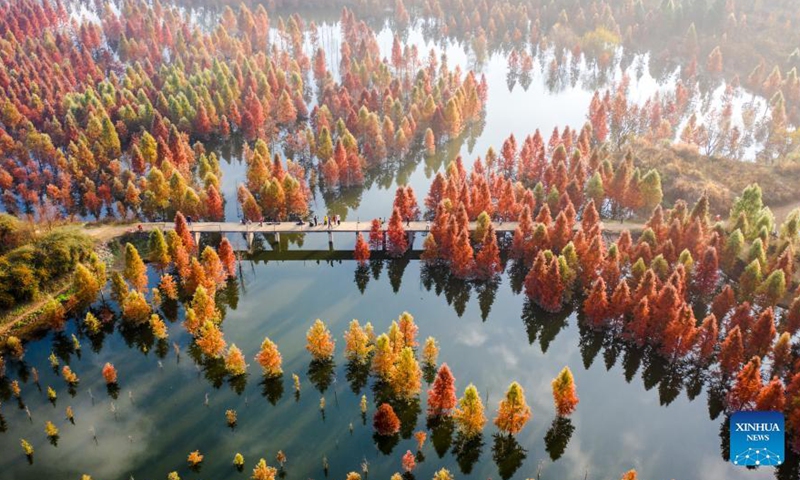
(212, 266)
(406, 375)
(204, 306)
(430, 352)
(135, 271)
(234, 361)
(319, 341)
(357, 347)
(158, 250)
(469, 415)
(85, 285)
(135, 307)
(384, 358)
(513, 412)
(443, 474)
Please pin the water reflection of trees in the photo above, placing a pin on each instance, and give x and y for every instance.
(508, 455)
(398, 171)
(320, 374)
(543, 325)
(456, 291)
(467, 452)
(357, 374)
(668, 379)
(442, 429)
(558, 436)
(272, 389)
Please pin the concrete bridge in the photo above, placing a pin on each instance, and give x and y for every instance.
(277, 228)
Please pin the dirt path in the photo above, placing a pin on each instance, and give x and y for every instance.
(782, 211)
(13, 318)
(102, 234)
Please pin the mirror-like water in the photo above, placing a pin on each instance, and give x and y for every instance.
(160, 413)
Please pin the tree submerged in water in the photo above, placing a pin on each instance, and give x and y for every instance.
(194, 459)
(513, 412)
(109, 374)
(27, 448)
(270, 359)
(320, 343)
(235, 362)
(69, 376)
(357, 344)
(230, 418)
(442, 395)
(469, 415)
(385, 421)
(51, 430)
(564, 393)
(264, 472)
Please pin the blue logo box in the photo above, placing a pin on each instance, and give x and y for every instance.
(757, 438)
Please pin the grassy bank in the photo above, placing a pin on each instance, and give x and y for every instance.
(36, 272)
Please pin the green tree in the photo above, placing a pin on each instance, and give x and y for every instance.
(650, 189)
(733, 248)
(149, 148)
(750, 280)
(773, 288)
(481, 227)
(749, 203)
(109, 139)
(595, 189)
(158, 251)
(324, 145)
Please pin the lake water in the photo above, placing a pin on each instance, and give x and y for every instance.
(619, 424)
(633, 412)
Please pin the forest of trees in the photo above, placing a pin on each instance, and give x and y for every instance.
(126, 117)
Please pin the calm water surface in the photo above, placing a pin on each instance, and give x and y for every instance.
(161, 414)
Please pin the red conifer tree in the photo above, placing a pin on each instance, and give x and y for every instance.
(747, 386)
(771, 397)
(398, 241)
(442, 395)
(182, 229)
(596, 307)
(361, 253)
(707, 272)
(462, 263)
(375, 235)
(761, 335)
(731, 353)
(385, 420)
(487, 262)
(227, 257)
